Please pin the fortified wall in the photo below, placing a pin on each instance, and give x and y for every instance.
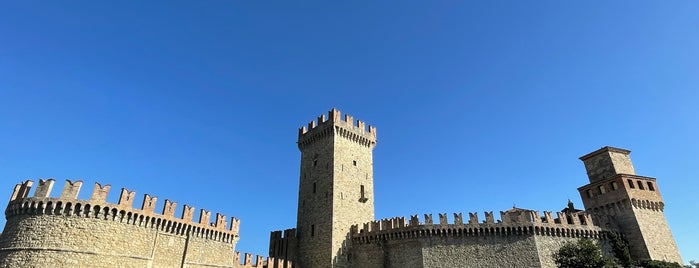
(521, 238)
(45, 231)
(335, 221)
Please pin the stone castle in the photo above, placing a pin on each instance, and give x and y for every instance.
(335, 222)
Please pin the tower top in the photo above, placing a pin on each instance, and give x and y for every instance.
(335, 123)
(607, 162)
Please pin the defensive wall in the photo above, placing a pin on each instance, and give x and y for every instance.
(45, 231)
(521, 238)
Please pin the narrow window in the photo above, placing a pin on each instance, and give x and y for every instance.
(313, 229)
(650, 186)
(631, 184)
(354, 163)
(362, 198)
(315, 163)
(640, 185)
(314, 187)
(589, 193)
(615, 186)
(602, 190)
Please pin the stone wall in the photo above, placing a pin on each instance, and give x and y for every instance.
(66, 232)
(519, 239)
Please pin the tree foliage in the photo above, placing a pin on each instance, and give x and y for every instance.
(581, 254)
(620, 249)
(658, 264)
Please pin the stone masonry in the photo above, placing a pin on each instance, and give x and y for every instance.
(42, 231)
(335, 221)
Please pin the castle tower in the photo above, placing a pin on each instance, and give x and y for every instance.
(621, 201)
(336, 188)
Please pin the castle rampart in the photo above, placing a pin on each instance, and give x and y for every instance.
(95, 233)
(578, 225)
(358, 132)
(261, 262)
(520, 238)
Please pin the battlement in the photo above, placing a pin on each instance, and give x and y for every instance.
(260, 261)
(511, 222)
(68, 204)
(334, 123)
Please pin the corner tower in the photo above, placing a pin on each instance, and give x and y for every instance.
(621, 201)
(336, 188)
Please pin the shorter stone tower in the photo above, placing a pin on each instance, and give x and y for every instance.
(619, 200)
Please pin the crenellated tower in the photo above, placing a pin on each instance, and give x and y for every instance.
(619, 200)
(336, 188)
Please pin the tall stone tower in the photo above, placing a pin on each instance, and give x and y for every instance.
(622, 201)
(336, 188)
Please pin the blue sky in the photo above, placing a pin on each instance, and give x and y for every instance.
(479, 105)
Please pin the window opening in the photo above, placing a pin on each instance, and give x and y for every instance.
(602, 190)
(354, 163)
(313, 229)
(589, 193)
(640, 185)
(650, 186)
(631, 184)
(362, 198)
(615, 186)
(314, 187)
(315, 162)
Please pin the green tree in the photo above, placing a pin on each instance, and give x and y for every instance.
(581, 254)
(658, 264)
(620, 249)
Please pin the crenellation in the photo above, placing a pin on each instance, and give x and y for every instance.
(442, 218)
(71, 189)
(68, 204)
(235, 225)
(414, 220)
(169, 208)
(428, 219)
(535, 216)
(288, 233)
(204, 216)
(148, 206)
(126, 198)
(361, 125)
(187, 213)
(561, 218)
(548, 217)
(99, 193)
(220, 221)
(473, 218)
(489, 219)
(458, 219)
(43, 189)
(514, 222)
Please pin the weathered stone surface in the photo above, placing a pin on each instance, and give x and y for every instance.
(335, 221)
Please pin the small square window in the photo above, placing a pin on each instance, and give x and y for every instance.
(650, 186)
(640, 185)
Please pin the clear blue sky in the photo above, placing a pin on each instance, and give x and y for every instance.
(479, 105)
